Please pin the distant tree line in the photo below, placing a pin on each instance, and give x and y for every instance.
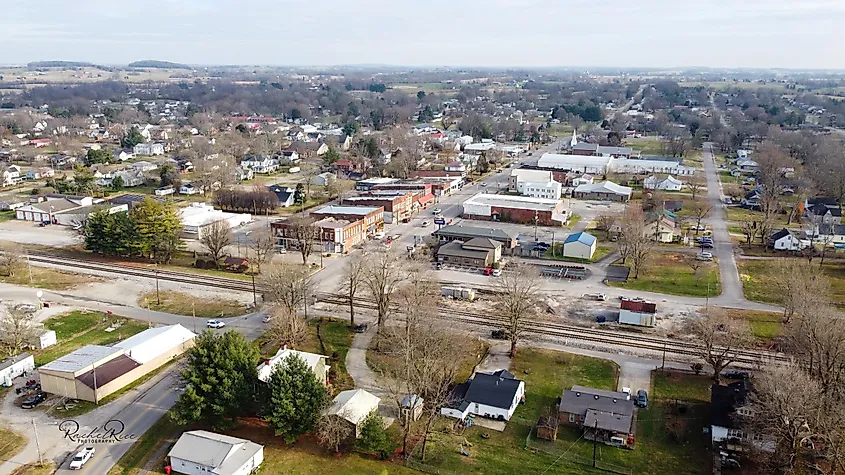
(259, 200)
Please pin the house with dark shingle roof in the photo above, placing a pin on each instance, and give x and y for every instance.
(492, 395)
(605, 416)
(461, 232)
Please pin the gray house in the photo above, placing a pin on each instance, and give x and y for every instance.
(200, 452)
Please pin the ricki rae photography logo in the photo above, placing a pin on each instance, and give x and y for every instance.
(111, 432)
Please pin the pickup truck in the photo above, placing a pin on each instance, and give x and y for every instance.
(81, 458)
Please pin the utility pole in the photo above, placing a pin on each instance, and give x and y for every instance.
(149, 314)
(158, 295)
(536, 220)
(94, 370)
(194, 316)
(595, 441)
(254, 297)
(553, 244)
(37, 444)
(663, 366)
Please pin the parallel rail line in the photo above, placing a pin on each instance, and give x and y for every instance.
(572, 332)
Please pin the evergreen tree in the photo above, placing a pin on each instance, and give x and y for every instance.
(117, 183)
(331, 156)
(111, 234)
(221, 377)
(158, 227)
(295, 399)
(299, 194)
(132, 138)
(97, 156)
(374, 437)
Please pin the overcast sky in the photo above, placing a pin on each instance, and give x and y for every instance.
(647, 33)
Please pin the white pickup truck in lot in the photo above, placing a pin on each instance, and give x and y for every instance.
(81, 458)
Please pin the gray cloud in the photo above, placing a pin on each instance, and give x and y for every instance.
(652, 33)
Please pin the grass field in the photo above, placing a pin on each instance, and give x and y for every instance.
(46, 278)
(35, 469)
(646, 146)
(7, 215)
(757, 276)
(737, 214)
(10, 443)
(95, 334)
(764, 326)
(73, 323)
(666, 273)
(181, 303)
(676, 385)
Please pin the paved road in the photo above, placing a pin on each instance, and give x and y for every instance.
(731, 285)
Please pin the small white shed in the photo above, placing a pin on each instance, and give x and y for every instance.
(46, 339)
(16, 366)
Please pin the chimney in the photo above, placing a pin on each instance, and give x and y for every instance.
(285, 346)
(266, 362)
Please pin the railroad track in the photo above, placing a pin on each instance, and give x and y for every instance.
(172, 276)
(575, 333)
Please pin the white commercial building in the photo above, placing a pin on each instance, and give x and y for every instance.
(550, 190)
(603, 165)
(200, 452)
(198, 216)
(516, 209)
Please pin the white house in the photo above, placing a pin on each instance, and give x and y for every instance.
(584, 179)
(353, 406)
(190, 189)
(121, 155)
(144, 166)
(456, 166)
(15, 366)
(493, 395)
(315, 362)
(580, 246)
(784, 240)
(200, 452)
(243, 174)
(149, 149)
(260, 164)
(669, 183)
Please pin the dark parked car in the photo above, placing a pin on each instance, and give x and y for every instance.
(33, 401)
(642, 398)
(706, 245)
(736, 374)
(361, 328)
(543, 244)
(500, 334)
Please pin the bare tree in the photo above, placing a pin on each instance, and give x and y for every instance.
(605, 221)
(750, 228)
(634, 238)
(17, 329)
(517, 294)
(694, 263)
(302, 230)
(695, 184)
(819, 336)
(216, 237)
(698, 211)
(802, 288)
(718, 337)
(383, 273)
(262, 245)
(286, 285)
(332, 431)
(786, 404)
(287, 329)
(11, 255)
(351, 281)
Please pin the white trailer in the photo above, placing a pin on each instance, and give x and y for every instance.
(16, 366)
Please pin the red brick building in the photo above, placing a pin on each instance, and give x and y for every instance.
(373, 216)
(397, 207)
(516, 209)
(330, 235)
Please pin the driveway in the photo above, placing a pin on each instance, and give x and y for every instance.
(27, 232)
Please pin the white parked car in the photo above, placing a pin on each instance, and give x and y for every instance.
(704, 256)
(378, 235)
(81, 458)
(266, 319)
(215, 324)
(436, 211)
(425, 223)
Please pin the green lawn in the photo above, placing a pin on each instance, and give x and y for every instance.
(72, 323)
(473, 350)
(181, 303)
(7, 215)
(737, 214)
(35, 469)
(601, 251)
(675, 385)
(646, 146)
(95, 335)
(763, 325)
(757, 276)
(46, 278)
(667, 274)
(334, 339)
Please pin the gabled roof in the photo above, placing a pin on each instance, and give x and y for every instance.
(266, 369)
(610, 410)
(283, 193)
(154, 342)
(724, 400)
(493, 389)
(781, 234)
(482, 243)
(223, 453)
(461, 230)
(582, 237)
(604, 187)
(353, 405)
